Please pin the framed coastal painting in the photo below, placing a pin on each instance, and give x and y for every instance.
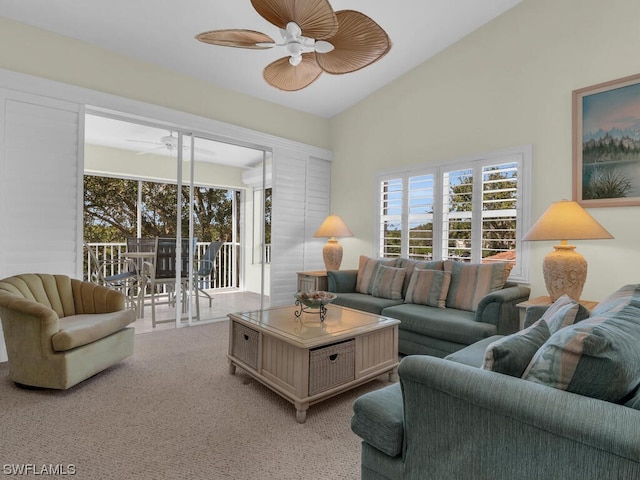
(606, 143)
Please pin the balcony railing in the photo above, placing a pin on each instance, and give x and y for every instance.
(225, 274)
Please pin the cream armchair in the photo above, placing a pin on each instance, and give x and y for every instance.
(60, 331)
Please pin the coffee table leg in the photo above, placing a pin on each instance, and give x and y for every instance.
(393, 375)
(301, 412)
(232, 368)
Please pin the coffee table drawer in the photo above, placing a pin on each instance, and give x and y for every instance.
(245, 344)
(331, 366)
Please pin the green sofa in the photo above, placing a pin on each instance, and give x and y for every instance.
(449, 420)
(429, 330)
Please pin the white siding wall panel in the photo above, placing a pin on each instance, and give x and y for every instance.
(287, 224)
(40, 185)
(317, 209)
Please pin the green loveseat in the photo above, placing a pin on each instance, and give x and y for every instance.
(447, 420)
(426, 329)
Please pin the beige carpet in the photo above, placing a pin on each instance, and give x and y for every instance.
(173, 411)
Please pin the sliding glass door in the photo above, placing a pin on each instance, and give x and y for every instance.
(152, 181)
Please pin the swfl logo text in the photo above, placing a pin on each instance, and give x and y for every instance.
(33, 469)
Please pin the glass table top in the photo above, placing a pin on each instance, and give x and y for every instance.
(308, 328)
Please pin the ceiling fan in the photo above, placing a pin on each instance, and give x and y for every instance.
(170, 143)
(316, 40)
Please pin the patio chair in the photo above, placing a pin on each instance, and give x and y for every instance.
(142, 252)
(163, 277)
(205, 269)
(124, 281)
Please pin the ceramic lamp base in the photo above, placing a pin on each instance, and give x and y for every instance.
(332, 255)
(565, 272)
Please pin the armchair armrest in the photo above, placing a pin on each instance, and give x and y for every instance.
(499, 308)
(30, 323)
(463, 422)
(342, 281)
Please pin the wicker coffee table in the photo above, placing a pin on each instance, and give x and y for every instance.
(306, 360)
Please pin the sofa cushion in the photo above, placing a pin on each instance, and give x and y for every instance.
(379, 419)
(367, 268)
(387, 282)
(472, 281)
(428, 287)
(561, 314)
(411, 264)
(598, 357)
(366, 303)
(511, 354)
(78, 330)
(457, 326)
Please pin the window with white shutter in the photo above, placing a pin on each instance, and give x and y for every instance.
(471, 210)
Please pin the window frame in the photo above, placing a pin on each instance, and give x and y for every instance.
(521, 155)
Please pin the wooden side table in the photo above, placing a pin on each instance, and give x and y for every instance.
(545, 301)
(312, 281)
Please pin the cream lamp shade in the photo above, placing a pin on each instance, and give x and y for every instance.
(564, 269)
(332, 227)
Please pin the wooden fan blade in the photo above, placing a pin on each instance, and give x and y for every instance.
(236, 38)
(284, 76)
(359, 42)
(315, 18)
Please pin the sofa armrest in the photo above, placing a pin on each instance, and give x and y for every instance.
(378, 418)
(464, 422)
(342, 281)
(499, 308)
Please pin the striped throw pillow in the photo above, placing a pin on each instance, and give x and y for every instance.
(410, 264)
(561, 314)
(597, 357)
(428, 287)
(387, 282)
(367, 268)
(472, 281)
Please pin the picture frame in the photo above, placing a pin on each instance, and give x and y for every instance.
(606, 143)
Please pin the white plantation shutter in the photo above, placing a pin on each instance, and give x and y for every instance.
(470, 210)
(300, 204)
(457, 214)
(39, 186)
(499, 213)
(420, 222)
(41, 221)
(317, 209)
(391, 208)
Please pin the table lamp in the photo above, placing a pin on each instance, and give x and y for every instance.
(564, 269)
(332, 227)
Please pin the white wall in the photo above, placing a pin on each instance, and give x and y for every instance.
(43, 54)
(507, 84)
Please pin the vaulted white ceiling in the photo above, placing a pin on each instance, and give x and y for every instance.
(162, 32)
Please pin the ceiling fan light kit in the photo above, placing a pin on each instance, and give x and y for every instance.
(316, 40)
